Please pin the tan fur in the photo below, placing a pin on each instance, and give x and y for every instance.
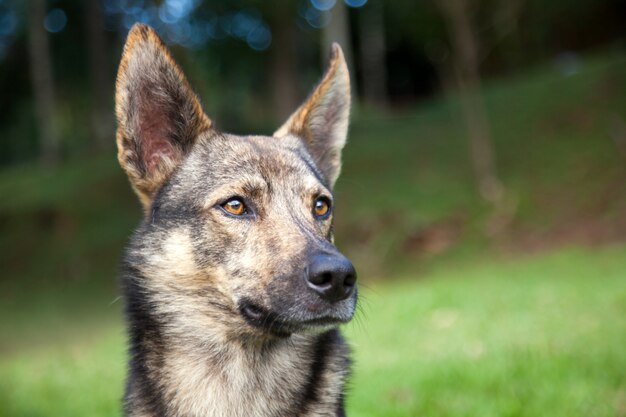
(237, 390)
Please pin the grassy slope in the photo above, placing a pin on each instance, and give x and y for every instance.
(555, 157)
(474, 336)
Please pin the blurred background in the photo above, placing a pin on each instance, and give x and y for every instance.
(483, 194)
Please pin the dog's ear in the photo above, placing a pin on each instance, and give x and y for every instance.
(322, 121)
(159, 117)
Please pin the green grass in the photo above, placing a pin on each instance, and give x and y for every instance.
(542, 335)
(72, 378)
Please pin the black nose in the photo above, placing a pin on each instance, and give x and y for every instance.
(331, 276)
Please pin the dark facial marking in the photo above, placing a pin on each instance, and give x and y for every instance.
(146, 329)
(321, 351)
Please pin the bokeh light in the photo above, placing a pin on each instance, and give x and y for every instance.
(355, 3)
(8, 26)
(323, 5)
(177, 23)
(8, 22)
(316, 18)
(55, 20)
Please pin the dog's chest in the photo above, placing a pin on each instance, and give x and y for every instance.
(274, 384)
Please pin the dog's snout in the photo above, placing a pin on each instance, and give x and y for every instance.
(333, 277)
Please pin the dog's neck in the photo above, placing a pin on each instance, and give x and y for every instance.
(173, 374)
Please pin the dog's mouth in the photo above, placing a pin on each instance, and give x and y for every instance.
(284, 326)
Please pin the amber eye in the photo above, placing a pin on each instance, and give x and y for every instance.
(235, 206)
(321, 208)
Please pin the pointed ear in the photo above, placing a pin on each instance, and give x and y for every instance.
(159, 117)
(322, 121)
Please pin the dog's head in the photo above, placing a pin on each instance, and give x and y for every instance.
(238, 229)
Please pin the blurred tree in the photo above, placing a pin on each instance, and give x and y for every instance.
(101, 115)
(372, 49)
(42, 82)
(284, 60)
(338, 30)
(466, 69)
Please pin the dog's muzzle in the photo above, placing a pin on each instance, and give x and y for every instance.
(322, 295)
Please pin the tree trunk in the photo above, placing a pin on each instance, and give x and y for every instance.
(284, 59)
(42, 83)
(465, 52)
(338, 30)
(101, 105)
(284, 70)
(373, 53)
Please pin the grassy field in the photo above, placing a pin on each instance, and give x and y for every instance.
(540, 336)
(454, 320)
(543, 335)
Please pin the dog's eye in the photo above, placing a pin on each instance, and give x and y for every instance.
(235, 206)
(321, 207)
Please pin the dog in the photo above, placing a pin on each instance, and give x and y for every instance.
(233, 287)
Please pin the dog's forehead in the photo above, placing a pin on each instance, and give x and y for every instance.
(226, 157)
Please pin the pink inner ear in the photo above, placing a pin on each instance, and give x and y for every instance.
(156, 151)
(154, 138)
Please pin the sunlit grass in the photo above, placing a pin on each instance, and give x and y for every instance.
(80, 377)
(543, 335)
